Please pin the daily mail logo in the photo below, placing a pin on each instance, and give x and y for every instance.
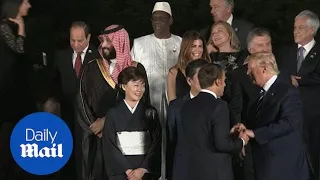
(41, 143)
(32, 150)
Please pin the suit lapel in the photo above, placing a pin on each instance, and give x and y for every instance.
(89, 56)
(270, 94)
(293, 60)
(69, 64)
(310, 62)
(186, 97)
(235, 25)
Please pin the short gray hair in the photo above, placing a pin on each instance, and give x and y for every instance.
(313, 19)
(229, 3)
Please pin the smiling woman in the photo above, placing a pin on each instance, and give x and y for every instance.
(192, 48)
(132, 133)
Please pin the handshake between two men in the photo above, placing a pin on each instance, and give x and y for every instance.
(243, 133)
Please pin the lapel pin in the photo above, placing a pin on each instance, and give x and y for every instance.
(236, 29)
(89, 51)
(174, 48)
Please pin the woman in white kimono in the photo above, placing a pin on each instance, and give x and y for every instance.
(132, 133)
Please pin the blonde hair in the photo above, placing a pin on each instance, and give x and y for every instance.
(234, 40)
(266, 60)
(186, 44)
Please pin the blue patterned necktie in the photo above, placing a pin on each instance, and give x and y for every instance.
(300, 57)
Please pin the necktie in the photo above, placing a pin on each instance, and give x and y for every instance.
(77, 64)
(259, 104)
(300, 57)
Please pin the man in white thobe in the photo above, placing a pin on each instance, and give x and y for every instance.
(158, 52)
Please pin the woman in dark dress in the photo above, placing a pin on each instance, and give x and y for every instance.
(224, 49)
(12, 36)
(132, 133)
(12, 89)
(192, 48)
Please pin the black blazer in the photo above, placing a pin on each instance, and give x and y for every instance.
(174, 135)
(208, 145)
(240, 27)
(64, 71)
(278, 148)
(248, 90)
(309, 84)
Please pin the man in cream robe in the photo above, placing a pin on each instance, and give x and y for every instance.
(158, 52)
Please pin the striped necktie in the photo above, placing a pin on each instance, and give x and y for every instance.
(259, 104)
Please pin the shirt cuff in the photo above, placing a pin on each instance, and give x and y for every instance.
(244, 142)
(145, 170)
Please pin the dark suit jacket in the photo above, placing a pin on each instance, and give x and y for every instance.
(174, 134)
(248, 90)
(309, 84)
(240, 27)
(65, 76)
(278, 149)
(208, 145)
(64, 68)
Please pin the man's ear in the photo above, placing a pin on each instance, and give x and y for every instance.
(217, 82)
(250, 50)
(88, 37)
(265, 69)
(170, 21)
(123, 86)
(313, 31)
(189, 81)
(229, 9)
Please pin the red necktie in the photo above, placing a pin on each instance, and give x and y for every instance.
(77, 64)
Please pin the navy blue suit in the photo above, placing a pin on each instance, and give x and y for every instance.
(205, 149)
(174, 134)
(278, 148)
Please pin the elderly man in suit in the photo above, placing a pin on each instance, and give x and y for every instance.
(221, 10)
(205, 124)
(301, 61)
(278, 147)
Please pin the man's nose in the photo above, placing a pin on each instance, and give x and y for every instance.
(105, 44)
(212, 11)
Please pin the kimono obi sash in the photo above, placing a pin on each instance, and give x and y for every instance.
(134, 142)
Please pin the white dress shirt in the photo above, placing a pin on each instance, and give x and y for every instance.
(210, 92)
(191, 95)
(307, 47)
(74, 56)
(229, 21)
(112, 65)
(269, 83)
